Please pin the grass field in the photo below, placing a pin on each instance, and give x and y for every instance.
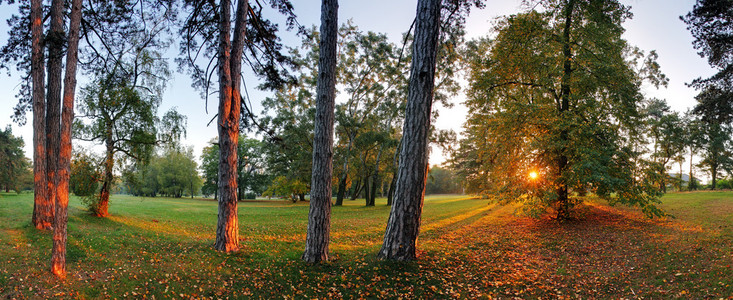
(161, 248)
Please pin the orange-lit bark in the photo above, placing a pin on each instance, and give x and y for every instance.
(58, 252)
(42, 208)
(55, 40)
(230, 63)
(102, 208)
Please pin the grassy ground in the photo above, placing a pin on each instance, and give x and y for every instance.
(161, 248)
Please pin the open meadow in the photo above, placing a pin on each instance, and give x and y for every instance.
(162, 248)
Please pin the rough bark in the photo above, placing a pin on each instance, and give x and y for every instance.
(403, 226)
(58, 252)
(230, 63)
(319, 217)
(42, 206)
(563, 204)
(55, 42)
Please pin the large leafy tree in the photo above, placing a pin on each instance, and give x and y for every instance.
(13, 164)
(119, 106)
(711, 25)
(557, 94)
(667, 137)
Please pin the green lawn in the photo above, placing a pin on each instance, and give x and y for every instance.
(162, 247)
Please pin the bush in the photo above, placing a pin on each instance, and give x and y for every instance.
(250, 196)
(84, 178)
(724, 184)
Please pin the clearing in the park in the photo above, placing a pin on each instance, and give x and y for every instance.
(468, 249)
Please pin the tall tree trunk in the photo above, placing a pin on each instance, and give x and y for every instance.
(230, 63)
(393, 183)
(345, 176)
(375, 183)
(375, 176)
(403, 226)
(714, 175)
(341, 190)
(563, 203)
(102, 208)
(690, 182)
(355, 190)
(42, 206)
(58, 253)
(367, 190)
(55, 43)
(390, 193)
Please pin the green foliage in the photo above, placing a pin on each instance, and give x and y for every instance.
(85, 178)
(562, 100)
(174, 173)
(252, 176)
(725, 183)
(442, 181)
(711, 23)
(667, 133)
(284, 187)
(210, 168)
(14, 166)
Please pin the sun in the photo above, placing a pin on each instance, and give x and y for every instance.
(533, 175)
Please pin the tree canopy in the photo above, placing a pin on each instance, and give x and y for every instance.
(557, 93)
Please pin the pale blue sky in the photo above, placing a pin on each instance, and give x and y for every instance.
(655, 26)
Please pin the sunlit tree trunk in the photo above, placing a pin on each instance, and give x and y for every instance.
(403, 226)
(42, 205)
(58, 253)
(102, 207)
(230, 63)
(319, 217)
(55, 43)
(563, 204)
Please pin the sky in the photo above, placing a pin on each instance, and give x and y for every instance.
(655, 26)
